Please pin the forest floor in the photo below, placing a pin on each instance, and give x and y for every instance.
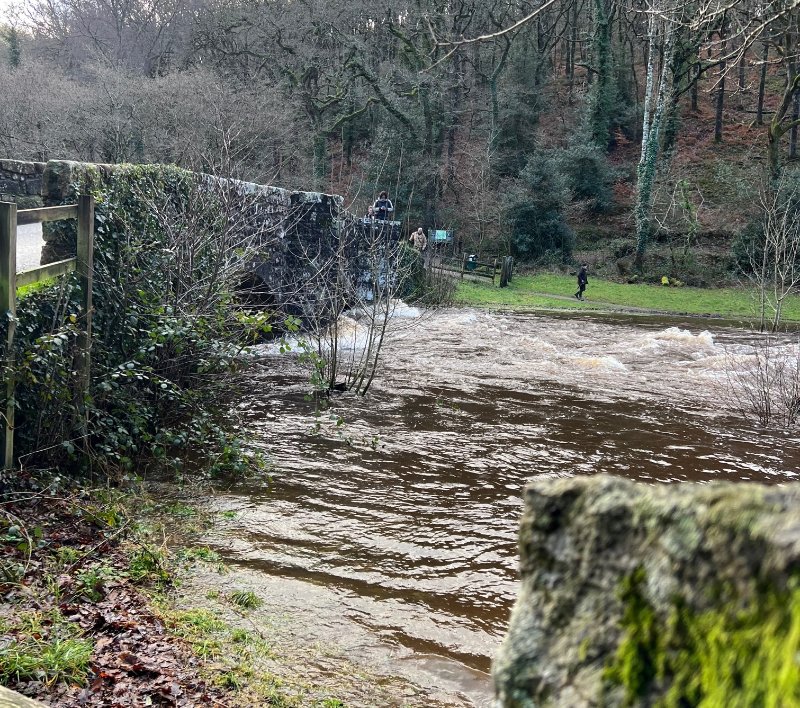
(107, 602)
(556, 292)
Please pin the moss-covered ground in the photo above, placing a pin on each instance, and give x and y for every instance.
(556, 292)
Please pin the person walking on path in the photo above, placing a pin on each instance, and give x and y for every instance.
(583, 281)
(419, 240)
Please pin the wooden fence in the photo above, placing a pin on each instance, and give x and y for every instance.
(479, 269)
(10, 280)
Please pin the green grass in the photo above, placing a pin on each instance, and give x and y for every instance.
(43, 646)
(204, 554)
(246, 599)
(538, 291)
(47, 661)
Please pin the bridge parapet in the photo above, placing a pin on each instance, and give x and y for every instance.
(296, 234)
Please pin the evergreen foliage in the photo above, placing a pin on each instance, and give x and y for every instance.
(589, 175)
(165, 335)
(534, 209)
(14, 50)
(521, 104)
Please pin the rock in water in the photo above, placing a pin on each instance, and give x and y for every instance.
(672, 595)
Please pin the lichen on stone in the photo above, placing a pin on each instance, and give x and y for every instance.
(655, 595)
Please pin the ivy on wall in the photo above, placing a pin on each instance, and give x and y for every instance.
(166, 330)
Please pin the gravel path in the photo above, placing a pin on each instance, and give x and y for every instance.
(29, 246)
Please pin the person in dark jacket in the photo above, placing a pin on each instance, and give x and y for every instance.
(383, 207)
(583, 281)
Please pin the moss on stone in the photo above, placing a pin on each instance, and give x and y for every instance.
(724, 657)
(634, 665)
(27, 202)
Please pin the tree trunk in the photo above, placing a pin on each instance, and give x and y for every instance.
(320, 158)
(571, 44)
(776, 128)
(762, 82)
(793, 132)
(603, 92)
(742, 71)
(694, 92)
(720, 90)
(651, 129)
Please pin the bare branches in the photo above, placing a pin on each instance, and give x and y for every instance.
(774, 253)
(457, 44)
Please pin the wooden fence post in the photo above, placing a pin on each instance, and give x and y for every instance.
(463, 264)
(505, 270)
(84, 267)
(8, 309)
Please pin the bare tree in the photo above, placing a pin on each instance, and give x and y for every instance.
(357, 293)
(775, 269)
(763, 382)
(678, 217)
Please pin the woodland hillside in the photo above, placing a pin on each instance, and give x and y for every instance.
(521, 136)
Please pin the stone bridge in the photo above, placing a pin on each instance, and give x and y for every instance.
(302, 230)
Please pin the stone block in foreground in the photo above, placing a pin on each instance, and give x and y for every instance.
(670, 595)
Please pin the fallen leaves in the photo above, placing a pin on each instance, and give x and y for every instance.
(135, 661)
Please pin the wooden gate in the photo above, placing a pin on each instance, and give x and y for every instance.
(10, 280)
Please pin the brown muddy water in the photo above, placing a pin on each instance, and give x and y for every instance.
(391, 521)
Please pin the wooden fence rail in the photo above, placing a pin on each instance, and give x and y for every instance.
(10, 280)
(474, 269)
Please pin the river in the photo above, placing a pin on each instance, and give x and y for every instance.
(392, 520)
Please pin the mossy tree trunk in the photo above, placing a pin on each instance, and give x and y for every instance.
(604, 91)
(654, 119)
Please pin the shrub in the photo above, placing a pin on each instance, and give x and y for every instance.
(169, 250)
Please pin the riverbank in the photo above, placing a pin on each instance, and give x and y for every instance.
(80, 624)
(548, 291)
(109, 601)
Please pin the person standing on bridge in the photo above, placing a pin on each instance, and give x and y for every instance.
(383, 207)
(583, 281)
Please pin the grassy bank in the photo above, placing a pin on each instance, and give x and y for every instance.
(108, 599)
(549, 291)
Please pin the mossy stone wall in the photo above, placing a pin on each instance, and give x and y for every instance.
(298, 228)
(21, 182)
(669, 595)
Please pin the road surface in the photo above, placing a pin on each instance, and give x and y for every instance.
(29, 246)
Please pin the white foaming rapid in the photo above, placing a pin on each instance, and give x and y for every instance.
(630, 359)
(397, 309)
(682, 339)
(352, 330)
(610, 363)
